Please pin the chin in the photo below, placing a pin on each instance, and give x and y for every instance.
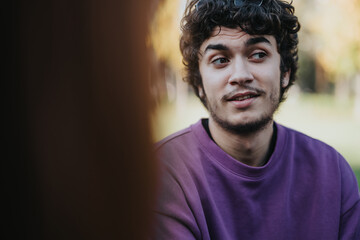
(242, 126)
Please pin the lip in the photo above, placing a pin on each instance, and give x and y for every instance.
(243, 100)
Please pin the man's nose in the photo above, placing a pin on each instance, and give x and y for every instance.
(240, 72)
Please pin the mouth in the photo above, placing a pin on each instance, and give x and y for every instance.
(243, 96)
(243, 100)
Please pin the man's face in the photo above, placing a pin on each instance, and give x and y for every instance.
(241, 78)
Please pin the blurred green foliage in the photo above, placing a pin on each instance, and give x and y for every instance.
(357, 174)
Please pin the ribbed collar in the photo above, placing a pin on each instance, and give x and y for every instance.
(215, 153)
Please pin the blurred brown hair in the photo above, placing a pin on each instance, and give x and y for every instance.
(78, 162)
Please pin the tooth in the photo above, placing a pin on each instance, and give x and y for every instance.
(243, 98)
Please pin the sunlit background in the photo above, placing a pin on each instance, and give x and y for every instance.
(325, 101)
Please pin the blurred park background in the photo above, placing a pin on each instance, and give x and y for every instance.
(325, 101)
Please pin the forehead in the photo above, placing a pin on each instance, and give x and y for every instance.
(230, 36)
(225, 32)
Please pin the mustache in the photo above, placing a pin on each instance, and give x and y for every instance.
(245, 88)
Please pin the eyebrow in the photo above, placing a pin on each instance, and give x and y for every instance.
(250, 42)
(219, 47)
(256, 40)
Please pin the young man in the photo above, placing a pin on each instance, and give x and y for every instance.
(238, 174)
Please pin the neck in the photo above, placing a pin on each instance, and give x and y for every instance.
(252, 149)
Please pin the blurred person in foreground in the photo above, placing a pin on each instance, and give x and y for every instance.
(77, 108)
(239, 174)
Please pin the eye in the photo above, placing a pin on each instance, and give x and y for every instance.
(220, 61)
(258, 56)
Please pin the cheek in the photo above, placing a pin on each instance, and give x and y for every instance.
(213, 82)
(271, 77)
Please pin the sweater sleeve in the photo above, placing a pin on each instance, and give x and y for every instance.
(174, 217)
(350, 209)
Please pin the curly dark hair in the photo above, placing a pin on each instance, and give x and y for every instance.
(270, 17)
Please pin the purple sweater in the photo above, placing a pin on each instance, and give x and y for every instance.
(305, 191)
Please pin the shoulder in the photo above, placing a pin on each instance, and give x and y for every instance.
(331, 173)
(319, 158)
(176, 137)
(177, 188)
(301, 142)
(314, 149)
(184, 153)
(310, 154)
(183, 140)
(176, 147)
(180, 147)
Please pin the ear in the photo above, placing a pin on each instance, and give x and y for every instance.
(201, 92)
(285, 80)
